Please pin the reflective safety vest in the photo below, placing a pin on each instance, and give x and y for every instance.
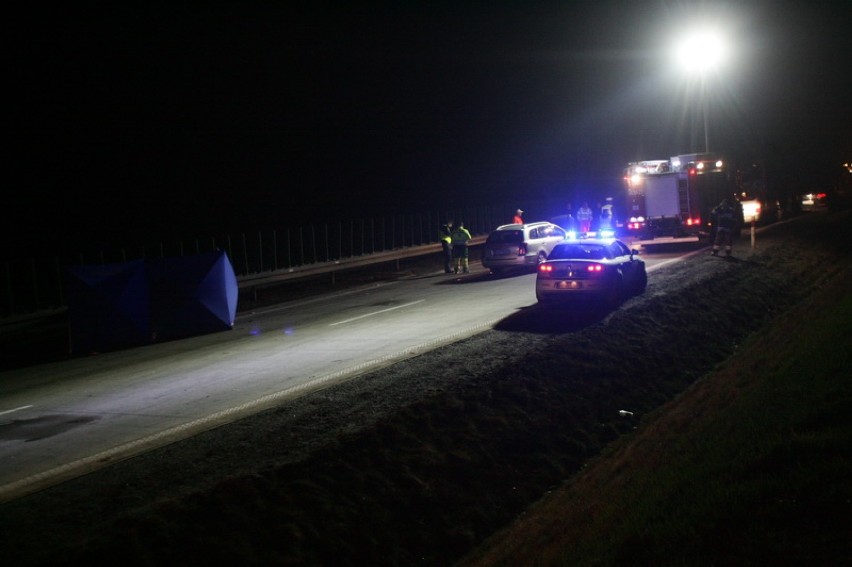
(584, 214)
(606, 216)
(461, 236)
(444, 235)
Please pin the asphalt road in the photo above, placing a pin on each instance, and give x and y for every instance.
(64, 419)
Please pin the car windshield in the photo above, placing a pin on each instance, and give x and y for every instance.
(579, 252)
(506, 237)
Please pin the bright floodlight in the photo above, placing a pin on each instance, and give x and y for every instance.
(700, 50)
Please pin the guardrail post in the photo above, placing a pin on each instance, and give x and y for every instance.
(58, 267)
(35, 284)
(260, 250)
(245, 253)
(9, 290)
(275, 249)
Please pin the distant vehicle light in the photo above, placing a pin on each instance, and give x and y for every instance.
(594, 268)
(699, 165)
(719, 164)
(545, 268)
(635, 179)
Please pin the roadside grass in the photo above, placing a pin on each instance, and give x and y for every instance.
(751, 465)
(734, 450)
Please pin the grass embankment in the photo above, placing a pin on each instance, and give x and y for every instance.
(751, 465)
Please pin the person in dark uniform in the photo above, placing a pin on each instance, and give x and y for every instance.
(445, 234)
(725, 220)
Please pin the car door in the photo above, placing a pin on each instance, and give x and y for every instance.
(555, 235)
(626, 261)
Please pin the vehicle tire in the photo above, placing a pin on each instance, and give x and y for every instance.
(641, 282)
(613, 296)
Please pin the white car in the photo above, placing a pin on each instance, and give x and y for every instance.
(520, 246)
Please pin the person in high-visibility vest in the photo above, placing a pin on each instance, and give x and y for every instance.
(584, 217)
(461, 237)
(445, 235)
(607, 216)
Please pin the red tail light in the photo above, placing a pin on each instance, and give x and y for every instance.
(522, 250)
(693, 222)
(594, 268)
(545, 268)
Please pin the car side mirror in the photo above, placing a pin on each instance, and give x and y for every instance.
(634, 252)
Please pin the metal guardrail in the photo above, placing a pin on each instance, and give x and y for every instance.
(264, 257)
(254, 282)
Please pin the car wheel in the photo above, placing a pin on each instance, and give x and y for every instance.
(641, 281)
(613, 294)
(543, 299)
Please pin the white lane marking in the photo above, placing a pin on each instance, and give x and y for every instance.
(87, 464)
(331, 295)
(661, 264)
(678, 259)
(14, 410)
(377, 312)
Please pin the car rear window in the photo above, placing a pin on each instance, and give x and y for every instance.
(578, 252)
(505, 236)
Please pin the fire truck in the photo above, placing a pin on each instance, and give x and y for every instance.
(674, 197)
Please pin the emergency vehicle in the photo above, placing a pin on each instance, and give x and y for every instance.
(674, 197)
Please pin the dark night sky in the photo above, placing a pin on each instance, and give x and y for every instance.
(186, 117)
